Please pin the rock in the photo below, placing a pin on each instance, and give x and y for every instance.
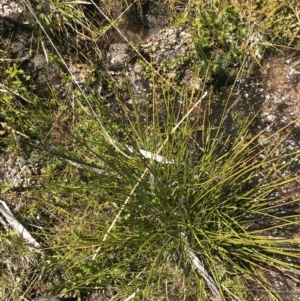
(18, 173)
(10, 9)
(168, 50)
(271, 118)
(168, 45)
(119, 55)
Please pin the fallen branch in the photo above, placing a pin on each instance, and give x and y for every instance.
(204, 273)
(18, 227)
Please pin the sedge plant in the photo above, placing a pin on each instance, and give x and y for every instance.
(197, 215)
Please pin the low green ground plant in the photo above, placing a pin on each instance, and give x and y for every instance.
(196, 215)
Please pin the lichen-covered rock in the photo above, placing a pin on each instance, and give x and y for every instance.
(17, 173)
(119, 54)
(169, 52)
(10, 9)
(167, 45)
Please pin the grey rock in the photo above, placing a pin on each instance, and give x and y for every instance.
(271, 118)
(18, 173)
(120, 54)
(10, 9)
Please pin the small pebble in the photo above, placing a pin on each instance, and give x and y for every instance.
(271, 118)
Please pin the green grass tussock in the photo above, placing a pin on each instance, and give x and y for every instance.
(178, 196)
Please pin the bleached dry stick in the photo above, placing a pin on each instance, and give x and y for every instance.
(18, 227)
(204, 273)
(149, 155)
(131, 296)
